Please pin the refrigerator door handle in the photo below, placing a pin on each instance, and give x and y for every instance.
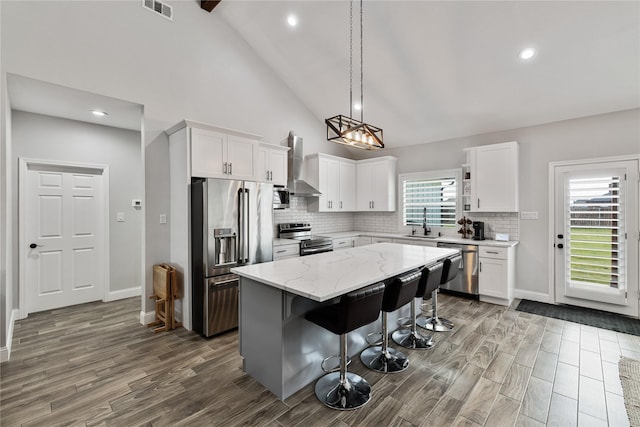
(240, 253)
(246, 225)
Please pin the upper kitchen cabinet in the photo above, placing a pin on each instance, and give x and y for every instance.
(376, 185)
(335, 178)
(216, 154)
(493, 177)
(272, 164)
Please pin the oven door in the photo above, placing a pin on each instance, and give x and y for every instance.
(316, 250)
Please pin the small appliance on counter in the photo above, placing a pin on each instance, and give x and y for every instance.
(478, 230)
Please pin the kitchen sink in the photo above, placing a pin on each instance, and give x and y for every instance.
(420, 236)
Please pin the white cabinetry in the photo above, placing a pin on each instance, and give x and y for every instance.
(272, 164)
(496, 276)
(494, 177)
(362, 241)
(376, 185)
(286, 251)
(343, 243)
(216, 154)
(335, 178)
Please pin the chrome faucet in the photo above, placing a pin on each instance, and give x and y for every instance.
(427, 229)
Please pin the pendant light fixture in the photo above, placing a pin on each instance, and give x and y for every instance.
(347, 130)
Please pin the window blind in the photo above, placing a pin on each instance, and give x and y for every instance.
(438, 196)
(595, 219)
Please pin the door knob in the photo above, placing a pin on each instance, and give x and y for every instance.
(33, 246)
(560, 246)
(560, 236)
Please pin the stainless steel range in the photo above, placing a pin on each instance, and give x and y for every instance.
(309, 244)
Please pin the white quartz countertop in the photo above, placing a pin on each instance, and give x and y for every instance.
(444, 239)
(323, 276)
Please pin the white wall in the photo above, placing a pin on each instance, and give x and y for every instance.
(195, 67)
(604, 135)
(49, 138)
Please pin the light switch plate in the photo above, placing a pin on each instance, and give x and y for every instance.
(120, 216)
(163, 219)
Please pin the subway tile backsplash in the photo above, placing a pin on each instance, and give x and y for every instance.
(321, 222)
(385, 222)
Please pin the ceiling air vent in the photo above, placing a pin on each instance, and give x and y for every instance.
(158, 7)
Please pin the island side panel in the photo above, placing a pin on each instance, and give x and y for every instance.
(260, 330)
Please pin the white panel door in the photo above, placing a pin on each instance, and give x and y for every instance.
(596, 235)
(64, 258)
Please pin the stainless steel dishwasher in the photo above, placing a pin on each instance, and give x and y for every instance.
(466, 281)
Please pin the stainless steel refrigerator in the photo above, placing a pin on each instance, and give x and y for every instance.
(231, 225)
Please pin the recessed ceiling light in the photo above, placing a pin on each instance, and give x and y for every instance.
(527, 53)
(357, 106)
(292, 20)
(99, 113)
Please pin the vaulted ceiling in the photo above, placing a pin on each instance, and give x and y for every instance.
(438, 70)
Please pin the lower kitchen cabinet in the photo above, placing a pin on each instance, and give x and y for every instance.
(417, 242)
(362, 241)
(496, 277)
(343, 243)
(286, 251)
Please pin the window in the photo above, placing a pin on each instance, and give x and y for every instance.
(433, 194)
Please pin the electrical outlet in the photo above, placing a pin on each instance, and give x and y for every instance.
(163, 219)
(120, 217)
(529, 215)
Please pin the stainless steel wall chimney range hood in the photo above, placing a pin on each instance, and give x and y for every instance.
(296, 183)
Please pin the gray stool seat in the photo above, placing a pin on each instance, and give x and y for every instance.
(345, 390)
(410, 338)
(450, 268)
(397, 293)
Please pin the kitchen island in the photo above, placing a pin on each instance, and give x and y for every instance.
(280, 348)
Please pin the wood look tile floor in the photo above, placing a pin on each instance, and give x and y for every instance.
(94, 364)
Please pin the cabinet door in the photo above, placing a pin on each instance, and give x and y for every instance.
(323, 185)
(241, 156)
(277, 163)
(494, 178)
(343, 243)
(207, 154)
(363, 186)
(380, 186)
(262, 164)
(347, 187)
(333, 184)
(492, 278)
(362, 241)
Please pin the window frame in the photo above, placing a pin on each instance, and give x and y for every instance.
(430, 175)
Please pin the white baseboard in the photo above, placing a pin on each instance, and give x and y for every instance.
(147, 317)
(5, 352)
(533, 296)
(123, 293)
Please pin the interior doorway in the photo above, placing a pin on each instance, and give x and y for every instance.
(594, 227)
(64, 234)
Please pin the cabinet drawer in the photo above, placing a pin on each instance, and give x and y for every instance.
(493, 252)
(343, 243)
(285, 251)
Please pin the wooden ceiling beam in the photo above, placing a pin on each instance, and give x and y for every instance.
(209, 5)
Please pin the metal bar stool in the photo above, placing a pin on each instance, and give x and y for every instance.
(398, 292)
(434, 323)
(429, 281)
(345, 390)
